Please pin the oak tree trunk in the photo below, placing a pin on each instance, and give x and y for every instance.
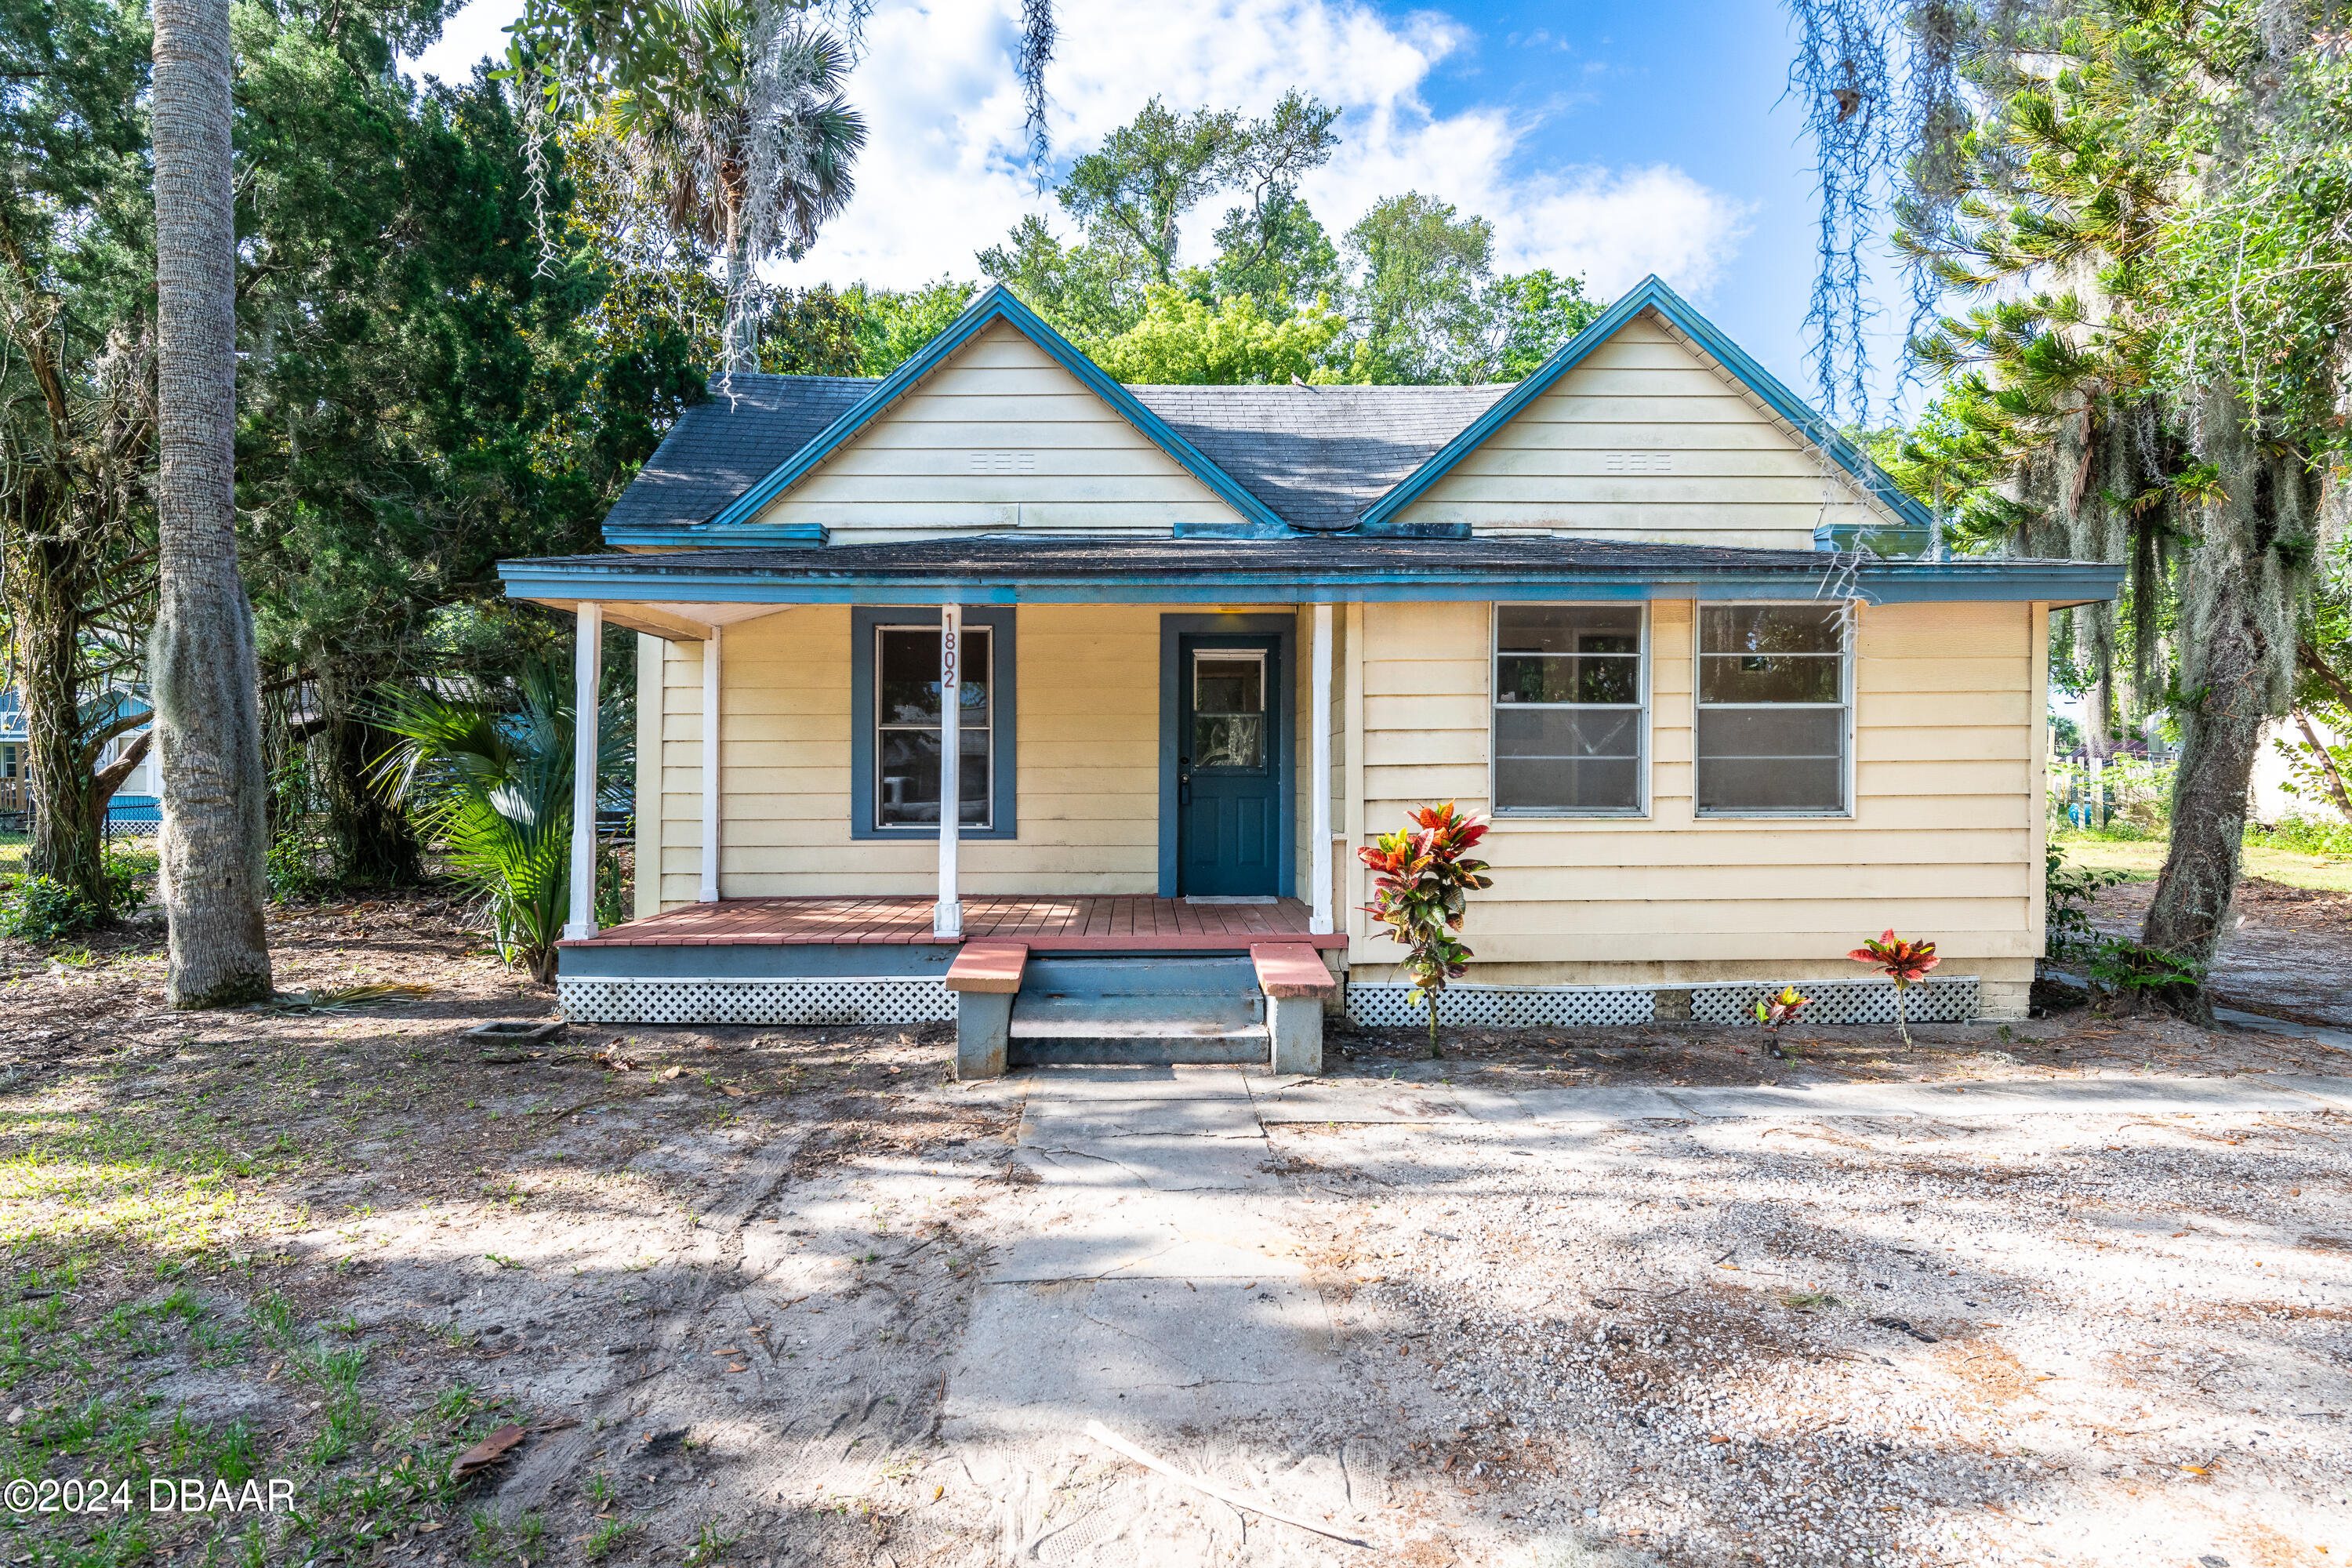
(373, 845)
(2239, 597)
(201, 663)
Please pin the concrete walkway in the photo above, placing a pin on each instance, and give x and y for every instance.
(1352, 1102)
(1159, 1275)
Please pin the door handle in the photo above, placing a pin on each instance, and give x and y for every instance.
(1183, 781)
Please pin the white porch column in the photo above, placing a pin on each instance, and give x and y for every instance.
(946, 914)
(1318, 789)
(711, 674)
(587, 671)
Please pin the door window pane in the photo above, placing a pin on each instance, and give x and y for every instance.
(1228, 711)
(906, 726)
(1771, 736)
(1569, 720)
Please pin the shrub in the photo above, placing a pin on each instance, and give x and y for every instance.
(42, 908)
(126, 884)
(1904, 962)
(2304, 835)
(2143, 974)
(2066, 926)
(1420, 895)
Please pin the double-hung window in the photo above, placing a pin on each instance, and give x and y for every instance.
(1571, 709)
(1775, 695)
(895, 708)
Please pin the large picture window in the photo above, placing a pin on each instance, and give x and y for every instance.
(894, 708)
(906, 726)
(1774, 687)
(1571, 709)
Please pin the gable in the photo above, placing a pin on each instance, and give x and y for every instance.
(1000, 436)
(1647, 438)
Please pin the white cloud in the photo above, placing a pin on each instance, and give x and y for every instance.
(944, 173)
(479, 29)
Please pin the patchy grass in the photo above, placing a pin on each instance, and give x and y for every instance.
(322, 1468)
(2140, 859)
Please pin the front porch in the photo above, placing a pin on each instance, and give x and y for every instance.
(1028, 979)
(1044, 924)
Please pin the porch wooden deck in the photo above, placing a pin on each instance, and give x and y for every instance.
(1047, 925)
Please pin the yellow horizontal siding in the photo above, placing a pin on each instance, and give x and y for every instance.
(1088, 745)
(1940, 843)
(911, 470)
(1735, 474)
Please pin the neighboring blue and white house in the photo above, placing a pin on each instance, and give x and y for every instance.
(1203, 643)
(136, 808)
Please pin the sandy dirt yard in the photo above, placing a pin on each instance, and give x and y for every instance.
(795, 1297)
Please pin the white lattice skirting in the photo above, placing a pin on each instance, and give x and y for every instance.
(887, 999)
(1952, 1001)
(1504, 1006)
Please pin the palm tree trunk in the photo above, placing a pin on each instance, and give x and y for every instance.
(201, 663)
(739, 355)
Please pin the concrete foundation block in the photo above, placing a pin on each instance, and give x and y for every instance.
(983, 1027)
(1296, 1024)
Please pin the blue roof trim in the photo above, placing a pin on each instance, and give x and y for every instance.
(1649, 294)
(614, 579)
(768, 535)
(997, 304)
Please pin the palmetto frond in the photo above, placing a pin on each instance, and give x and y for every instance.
(489, 776)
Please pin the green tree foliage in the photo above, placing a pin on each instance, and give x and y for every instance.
(2143, 225)
(859, 331)
(750, 147)
(1181, 340)
(1411, 297)
(1088, 292)
(76, 407)
(1418, 271)
(421, 397)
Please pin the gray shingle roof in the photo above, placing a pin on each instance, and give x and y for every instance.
(720, 448)
(1315, 456)
(1318, 455)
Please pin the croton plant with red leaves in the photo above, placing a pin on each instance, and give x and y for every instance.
(1905, 963)
(1423, 876)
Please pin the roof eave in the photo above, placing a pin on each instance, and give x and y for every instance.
(628, 578)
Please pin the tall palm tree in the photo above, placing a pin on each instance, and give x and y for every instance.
(750, 144)
(202, 669)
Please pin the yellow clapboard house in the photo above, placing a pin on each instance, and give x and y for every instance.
(1690, 649)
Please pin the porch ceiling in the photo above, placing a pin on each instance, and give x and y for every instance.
(1030, 569)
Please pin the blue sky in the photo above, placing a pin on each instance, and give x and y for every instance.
(1611, 140)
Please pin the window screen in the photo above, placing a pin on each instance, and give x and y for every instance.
(906, 726)
(1568, 720)
(1771, 719)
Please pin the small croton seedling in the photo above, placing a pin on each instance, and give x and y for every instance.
(1905, 963)
(1774, 1011)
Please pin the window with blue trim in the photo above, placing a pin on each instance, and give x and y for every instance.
(895, 694)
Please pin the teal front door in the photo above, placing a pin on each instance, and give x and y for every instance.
(1229, 734)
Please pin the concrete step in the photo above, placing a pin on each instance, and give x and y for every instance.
(1139, 1010)
(1142, 1045)
(1151, 976)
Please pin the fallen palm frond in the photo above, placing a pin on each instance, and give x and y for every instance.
(345, 998)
